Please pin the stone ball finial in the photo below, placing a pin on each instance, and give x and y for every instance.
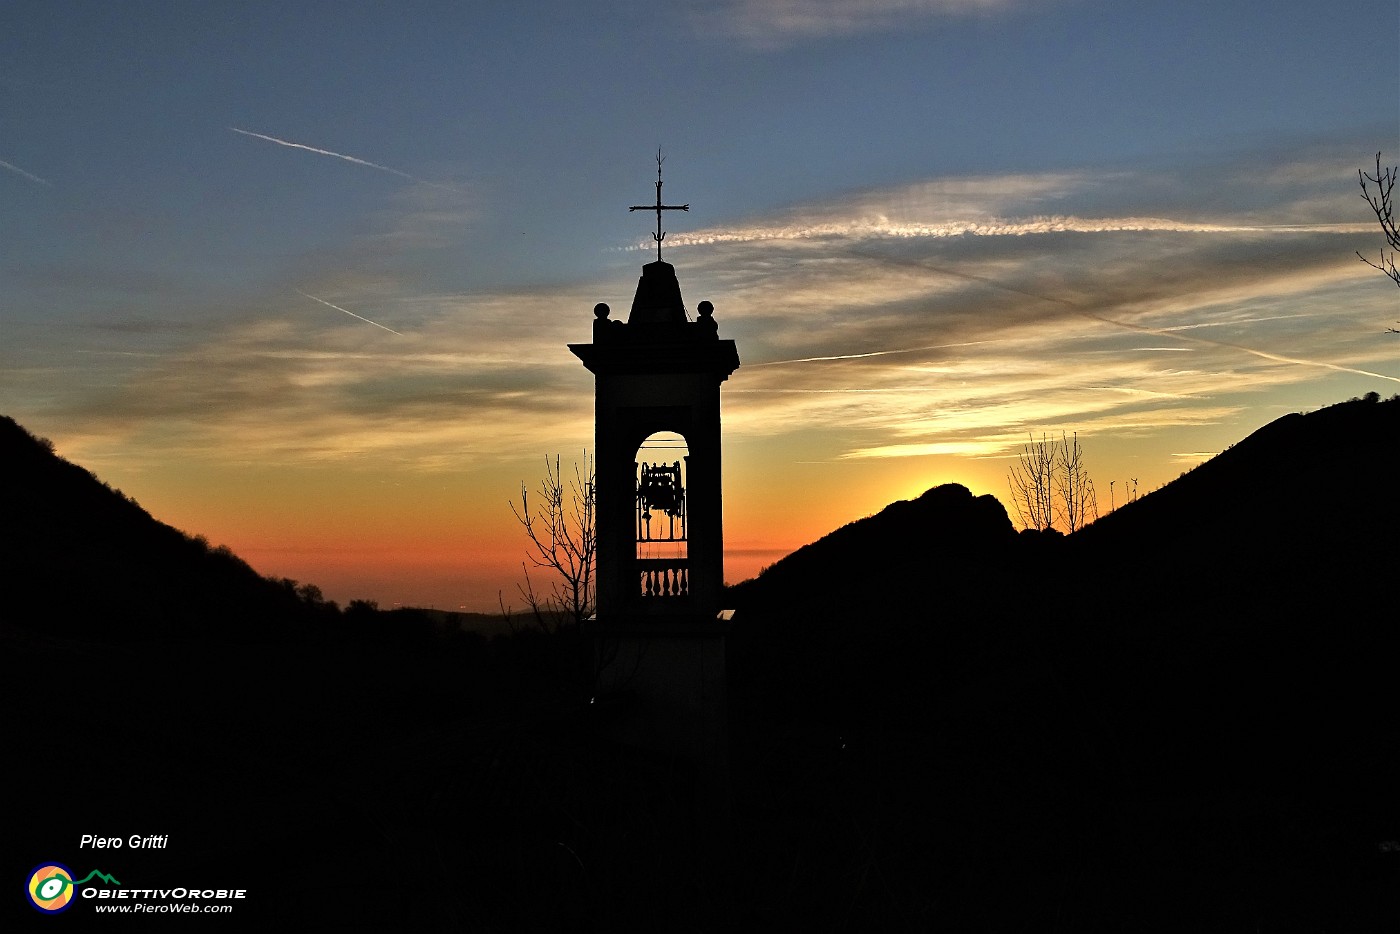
(705, 309)
(601, 310)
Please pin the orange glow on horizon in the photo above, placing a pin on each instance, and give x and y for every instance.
(448, 539)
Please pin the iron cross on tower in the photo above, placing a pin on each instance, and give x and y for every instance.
(658, 207)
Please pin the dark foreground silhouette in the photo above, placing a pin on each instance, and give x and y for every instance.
(1181, 718)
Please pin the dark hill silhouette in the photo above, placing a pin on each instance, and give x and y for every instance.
(1300, 517)
(946, 524)
(839, 623)
(1179, 718)
(80, 558)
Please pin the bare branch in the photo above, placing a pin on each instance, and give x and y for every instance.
(1078, 503)
(562, 540)
(1032, 484)
(1050, 484)
(1382, 202)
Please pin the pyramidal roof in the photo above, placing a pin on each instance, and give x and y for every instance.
(658, 299)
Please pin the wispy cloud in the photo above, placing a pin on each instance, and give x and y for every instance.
(419, 219)
(773, 22)
(340, 155)
(1036, 204)
(923, 326)
(866, 228)
(866, 348)
(29, 175)
(475, 379)
(1306, 195)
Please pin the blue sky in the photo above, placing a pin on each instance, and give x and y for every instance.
(934, 226)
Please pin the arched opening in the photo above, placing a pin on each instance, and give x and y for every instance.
(662, 517)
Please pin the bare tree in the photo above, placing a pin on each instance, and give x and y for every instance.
(1032, 484)
(1079, 504)
(563, 541)
(1382, 202)
(1050, 485)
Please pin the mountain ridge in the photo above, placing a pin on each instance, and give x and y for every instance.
(1215, 508)
(993, 731)
(82, 558)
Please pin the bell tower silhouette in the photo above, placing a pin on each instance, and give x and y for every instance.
(659, 627)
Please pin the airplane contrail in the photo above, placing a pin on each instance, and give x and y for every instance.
(341, 155)
(1262, 354)
(350, 313)
(1173, 333)
(29, 175)
(872, 353)
(1083, 312)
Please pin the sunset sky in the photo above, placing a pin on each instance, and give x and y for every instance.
(299, 276)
